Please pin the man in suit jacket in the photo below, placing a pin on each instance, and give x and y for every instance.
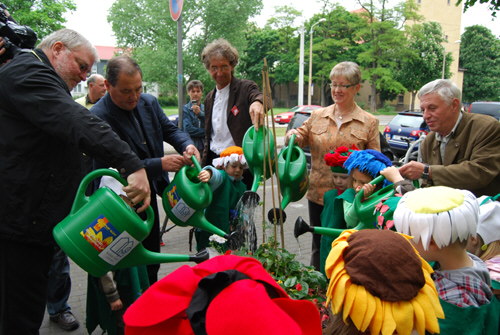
(462, 150)
(232, 107)
(139, 120)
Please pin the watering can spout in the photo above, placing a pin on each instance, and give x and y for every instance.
(200, 256)
(142, 256)
(301, 227)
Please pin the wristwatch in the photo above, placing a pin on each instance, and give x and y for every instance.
(425, 174)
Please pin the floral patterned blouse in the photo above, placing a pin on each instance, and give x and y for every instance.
(321, 133)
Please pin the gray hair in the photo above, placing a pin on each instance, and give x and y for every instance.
(121, 64)
(194, 83)
(93, 78)
(220, 48)
(71, 39)
(445, 88)
(348, 70)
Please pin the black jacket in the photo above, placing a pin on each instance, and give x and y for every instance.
(42, 134)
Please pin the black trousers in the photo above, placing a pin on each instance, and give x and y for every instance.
(24, 272)
(315, 220)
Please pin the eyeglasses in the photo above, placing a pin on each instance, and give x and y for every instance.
(223, 68)
(332, 85)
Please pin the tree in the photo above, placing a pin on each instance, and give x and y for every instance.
(494, 5)
(334, 41)
(145, 27)
(424, 62)
(480, 57)
(43, 16)
(384, 44)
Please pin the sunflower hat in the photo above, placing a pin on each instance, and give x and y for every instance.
(379, 281)
(440, 213)
(230, 155)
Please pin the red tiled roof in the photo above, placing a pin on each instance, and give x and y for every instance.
(106, 53)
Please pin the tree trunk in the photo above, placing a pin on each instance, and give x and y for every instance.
(412, 104)
(373, 100)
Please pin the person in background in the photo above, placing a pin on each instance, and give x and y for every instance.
(341, 124)
(462, 150)
(232, 107)
(42, 134)
(96, 90)
(193, 114)
(139, 120)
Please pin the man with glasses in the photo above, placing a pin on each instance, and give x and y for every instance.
(232, 107)
(42, 134)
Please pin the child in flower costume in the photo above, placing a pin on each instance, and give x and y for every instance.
(380, 285)
(226, 183)
(441, 220)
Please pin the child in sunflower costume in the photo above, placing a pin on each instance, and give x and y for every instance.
(380, 285)
(441, 220)
(225, 180)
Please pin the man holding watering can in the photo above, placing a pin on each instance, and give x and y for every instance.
(139, 120)
(42, 134)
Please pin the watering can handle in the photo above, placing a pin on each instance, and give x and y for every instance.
(196, 164)
(81, 199)
(291, 143)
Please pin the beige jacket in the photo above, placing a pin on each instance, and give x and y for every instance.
(321, 134)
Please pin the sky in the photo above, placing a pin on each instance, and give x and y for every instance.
(90, 17)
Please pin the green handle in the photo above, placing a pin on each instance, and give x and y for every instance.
(291, 142)
(81, 199)
(196, 164)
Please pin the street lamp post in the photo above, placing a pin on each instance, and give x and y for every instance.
(309, 88)
(300, 93)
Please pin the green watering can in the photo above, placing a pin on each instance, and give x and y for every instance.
(102, 233)
(256, 151)
(293, 177)
(365, 211)
(185, 199)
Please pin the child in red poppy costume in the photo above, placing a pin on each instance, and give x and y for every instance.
(332, 215)
(223, 295)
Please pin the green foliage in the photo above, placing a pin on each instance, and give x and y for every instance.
(480, 57)
(43, 16)
(145, 26)
(298, 280)
(494, 5)
(424, 60)
(384, 44)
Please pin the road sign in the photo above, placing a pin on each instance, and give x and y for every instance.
(175, 8)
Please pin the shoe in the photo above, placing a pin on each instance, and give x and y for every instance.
(162, 244)
(65, 320)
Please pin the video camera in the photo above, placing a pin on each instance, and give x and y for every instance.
(14, 35)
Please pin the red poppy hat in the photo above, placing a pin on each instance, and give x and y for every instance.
(224, 295)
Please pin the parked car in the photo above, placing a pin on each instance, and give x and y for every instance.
(301, 116)
(491, 108)
(403, 129)
(285, 117)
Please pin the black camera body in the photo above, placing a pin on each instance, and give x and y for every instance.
(15, 36)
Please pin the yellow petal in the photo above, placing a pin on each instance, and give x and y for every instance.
(371, 307)
(419, 317)
(430, 291)
(378, 317)
(335, 254)
(402, 311)
(388, 325)
(359, 307)
(431, 323)
(338, 297)
(349, 300)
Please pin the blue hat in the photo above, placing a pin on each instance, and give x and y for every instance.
(368, 161)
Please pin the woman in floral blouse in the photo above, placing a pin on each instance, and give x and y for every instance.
(342, 124)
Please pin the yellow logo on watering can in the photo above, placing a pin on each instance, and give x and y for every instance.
(111, 244)
(172, 196)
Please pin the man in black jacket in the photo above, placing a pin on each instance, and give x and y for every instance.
(138, 119)
(42, 134)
